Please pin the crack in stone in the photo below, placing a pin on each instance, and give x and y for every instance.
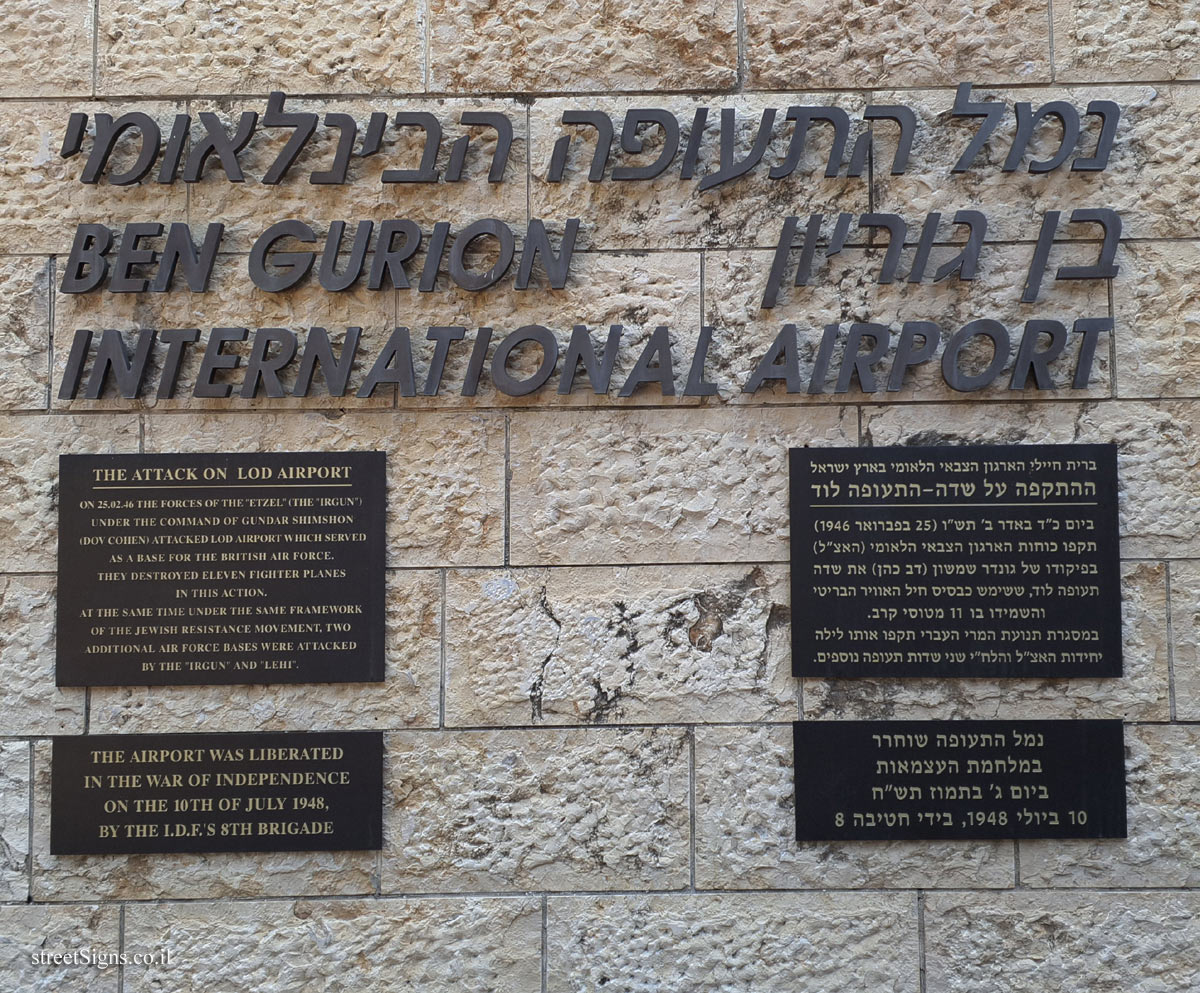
(538, 686)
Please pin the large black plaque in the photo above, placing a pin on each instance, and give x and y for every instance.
(990, 560)
(884, 780)
(259, 792)
(261, 568)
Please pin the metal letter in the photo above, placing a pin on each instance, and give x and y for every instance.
(478, 229)
(427, 172)
(984, 328)
(803, 116)
(604, 136)
(226, 148)
(659, 346)
(537, 243)
(512, 386)
(730, 169)
(107, 133)
(897, 230)
(993, 114)
(304, 124)
(1027, 123)
(292, 266)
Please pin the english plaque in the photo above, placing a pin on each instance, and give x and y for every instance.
(259, 568)
(125, 794)
(990, 560)
(888, 780)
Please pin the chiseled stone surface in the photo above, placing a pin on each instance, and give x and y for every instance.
(746, 829)
(628, 645)
(582, 45)
(844, 289)
(24, 332)
(249, 208)
(1151, 171)
(1141, 694)
(14, 821)
(659, 486)
(553, 810)
(408, 696)
(1185, 623)
(25, 931)
(184, 877)
(29, 450)
(41, 197)
(1126, 40)
(1074, 942)
(231, 301)
(29, 700)
(445, 472)
(894, 43)
(1156, 301)
(767, 943)
(1162, 764)
(248, 46)
(344, 945)
(45, 48)
(1158, 454)
(670, 212)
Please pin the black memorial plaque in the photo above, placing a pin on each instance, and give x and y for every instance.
(990, 560)
(259, 568)
(291, 791)
(889, 780)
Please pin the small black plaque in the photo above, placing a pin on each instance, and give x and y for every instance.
(254, 568)
(990, 560)
(289, 791)
(888, 780)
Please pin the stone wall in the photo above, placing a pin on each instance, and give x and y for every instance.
(587, 705)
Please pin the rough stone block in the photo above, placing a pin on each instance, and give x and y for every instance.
(247, 209)
(14, 824)
(582, 45)
(247, 46)
(844, 289)
(1141, 694)
(595, 646)
(433, 945)
(1156, 301)
(746, 829)
(1030, 942)
(768, 943)
(29, 700)
(41, 197)
(444, 472)
(408, 696)
(1163, 847)
(670, 212)
(46, 48)
(24, 332)
(859, 43)
(223, 876)
(29, 478)
(1185, 622)
(1145, 180)
(659, 486)
(1158, 459)
(521, 810)
(25, 930)
(1152, 41)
